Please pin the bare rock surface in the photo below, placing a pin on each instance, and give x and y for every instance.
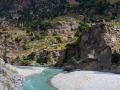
(9, 77)
(98, 44)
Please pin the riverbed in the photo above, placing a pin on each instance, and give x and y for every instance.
(37, 78)
(41, 78)
(86, 80)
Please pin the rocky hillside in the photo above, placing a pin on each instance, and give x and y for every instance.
(45, 46)
(75, 34)
(113, 1)
(31, 13)
(58, 32)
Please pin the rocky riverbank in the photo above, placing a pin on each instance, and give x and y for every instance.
(9, 77)
(28, 70)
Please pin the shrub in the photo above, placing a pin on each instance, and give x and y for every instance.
(115, 58)
(18, 39)
(50, 60)
(25, 62)
(15, 61)
(44, 25)
(59, 39)
(41, 60)
(84, 26)
(29, 30)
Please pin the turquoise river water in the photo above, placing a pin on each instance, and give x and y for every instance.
(41, 81)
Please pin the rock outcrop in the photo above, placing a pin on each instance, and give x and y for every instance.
(9, 78)
(58, 36)
(65, 27)
(94, 47)
(48, 57)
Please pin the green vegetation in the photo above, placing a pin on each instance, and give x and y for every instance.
(33, 14)
(5, 51)
(36, 17)
(5, 6)
(115, 24)
(84, 26)
(38, 14)
(55, 43)
(98, 6)
(18, 39)
(44, 25)
(41, 60)
(115, 58)
(29, 30)
(25, 61)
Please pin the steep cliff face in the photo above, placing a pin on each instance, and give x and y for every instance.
(94, 48)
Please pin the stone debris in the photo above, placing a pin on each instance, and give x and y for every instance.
(9, 78)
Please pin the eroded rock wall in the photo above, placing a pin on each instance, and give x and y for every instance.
(94, 47)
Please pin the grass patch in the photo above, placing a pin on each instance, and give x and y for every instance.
(47, 42)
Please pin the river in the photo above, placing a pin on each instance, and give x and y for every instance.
(41, 81)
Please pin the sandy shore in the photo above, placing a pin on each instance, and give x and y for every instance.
(28, 70)
(86, 80)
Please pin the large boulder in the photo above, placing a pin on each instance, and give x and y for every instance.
(97, 44)
(104, 58)
(69, 68)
